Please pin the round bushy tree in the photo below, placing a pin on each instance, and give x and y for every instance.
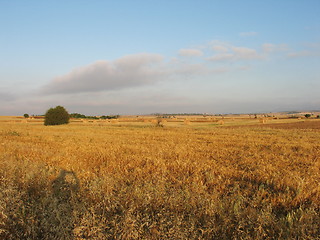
(56, 116)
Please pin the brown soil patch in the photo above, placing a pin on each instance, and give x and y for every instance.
(295, 125)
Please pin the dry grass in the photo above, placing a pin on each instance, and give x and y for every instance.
(86, 181)
(262, 120)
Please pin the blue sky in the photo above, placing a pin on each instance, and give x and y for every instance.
(137, 57)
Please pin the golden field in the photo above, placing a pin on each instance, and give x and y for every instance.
(190, 179)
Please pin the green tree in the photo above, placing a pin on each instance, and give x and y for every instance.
(56, 116)
(77, 115)
(26, 115)
(307, 115)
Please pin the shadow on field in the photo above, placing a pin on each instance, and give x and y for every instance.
(64, 190)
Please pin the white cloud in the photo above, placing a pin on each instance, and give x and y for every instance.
(269, 47)
(198, 70)
(5, 96)
(299, 54)
(220, 48)
(234, 53)
(245, 53)
(191, 69)
(126, 85)
(313, 45)
(128, 71)
(248, 34)
(222, 57)
(245, 68)
(190, 52)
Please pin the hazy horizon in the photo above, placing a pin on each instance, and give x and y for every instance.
(143, 57)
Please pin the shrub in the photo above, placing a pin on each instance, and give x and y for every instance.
(26, 115)
(56, 116)
(307, 115)
(159, 122)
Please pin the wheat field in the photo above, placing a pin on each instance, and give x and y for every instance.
(178, 181)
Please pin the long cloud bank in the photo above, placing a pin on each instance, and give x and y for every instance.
(146, 68)
(128, 71)
(188, 79)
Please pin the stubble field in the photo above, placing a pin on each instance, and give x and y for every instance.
(180, 181)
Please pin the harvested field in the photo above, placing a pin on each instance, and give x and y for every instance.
(302, 124)
(315, 124)
(82, 181)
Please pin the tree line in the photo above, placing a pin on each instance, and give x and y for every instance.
(59, 115)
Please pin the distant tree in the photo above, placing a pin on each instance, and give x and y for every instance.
(26, 115)
(56, 116)
(318, 116)
(109, 117)
(77, 115)
(307, 115)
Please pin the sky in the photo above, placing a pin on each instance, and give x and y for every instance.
(122, 57)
